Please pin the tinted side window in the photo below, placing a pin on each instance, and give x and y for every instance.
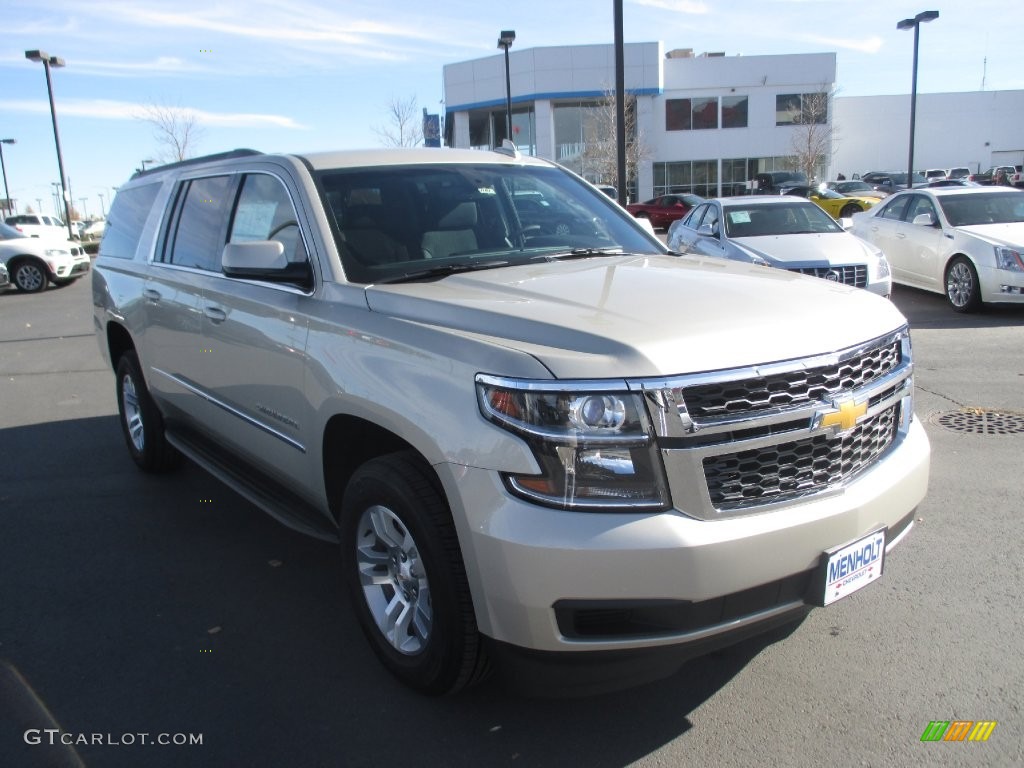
(128, 214)
(895, 209)
(199, 232)
(265, 212)
(693, 217)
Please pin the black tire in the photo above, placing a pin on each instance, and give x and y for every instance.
(400, 558)
(64, 282)
(30, 276)
(962, 289)
(848, 210)
(141, 421)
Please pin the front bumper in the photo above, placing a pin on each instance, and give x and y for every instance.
(1001, 285)
(526, 563)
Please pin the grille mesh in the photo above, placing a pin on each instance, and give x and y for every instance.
(852, 274)
(801, 466)
(792, 388)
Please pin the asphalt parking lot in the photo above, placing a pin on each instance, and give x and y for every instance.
(169, 606)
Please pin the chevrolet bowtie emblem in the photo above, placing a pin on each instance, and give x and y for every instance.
(846, 415)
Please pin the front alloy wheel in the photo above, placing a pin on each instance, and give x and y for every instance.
(30, 277)
(403, 569)
(394, 580)
(962, 287)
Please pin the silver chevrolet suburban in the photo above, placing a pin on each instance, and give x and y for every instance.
(544, 443)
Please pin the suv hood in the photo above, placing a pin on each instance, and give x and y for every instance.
(644, 315)
(833, 249)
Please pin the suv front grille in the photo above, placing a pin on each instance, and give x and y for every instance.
(850, 274)
(793, 387)
(798, 467)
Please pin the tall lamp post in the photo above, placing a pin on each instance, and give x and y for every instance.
(54, 61)
(505, 42)
(915, 24)
(103, 207)
(7, 195)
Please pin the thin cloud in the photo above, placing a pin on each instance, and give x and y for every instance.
(694, 7)
(865, 45)
(124, 110)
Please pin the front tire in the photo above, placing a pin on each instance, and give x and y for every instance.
(403, 569)
(962, 289)
(30, 277)
(141, 421)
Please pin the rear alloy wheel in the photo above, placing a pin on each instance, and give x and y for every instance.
(403, 569)
(141, 422)
(30, 276)
(848, 210)
(962, 287)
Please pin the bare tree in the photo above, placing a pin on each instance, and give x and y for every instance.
(600, 155)
(176, 130)
(814, 135)
(404, 126)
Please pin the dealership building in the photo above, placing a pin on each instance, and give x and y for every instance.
(707, 123)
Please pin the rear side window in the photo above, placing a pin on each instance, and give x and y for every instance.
(127, 217)
(199, 232)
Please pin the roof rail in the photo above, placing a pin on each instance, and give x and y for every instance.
(195, 160)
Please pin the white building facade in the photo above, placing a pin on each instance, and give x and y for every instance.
(708, 123)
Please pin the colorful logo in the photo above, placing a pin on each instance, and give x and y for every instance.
(958, 730)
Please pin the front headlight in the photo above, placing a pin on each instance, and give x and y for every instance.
(1009, 259)
(592, 440)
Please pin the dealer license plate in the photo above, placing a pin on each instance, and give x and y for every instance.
(853, 566)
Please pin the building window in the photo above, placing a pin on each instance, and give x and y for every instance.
(691, 114)
(699, 177)
(705, 113)
(677, 115)
(801, 108)
(734, 111)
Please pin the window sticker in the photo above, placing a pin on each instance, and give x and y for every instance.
(739, 217)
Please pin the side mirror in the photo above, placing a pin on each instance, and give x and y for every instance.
(707, 230)
(263, 260)
(923, 220)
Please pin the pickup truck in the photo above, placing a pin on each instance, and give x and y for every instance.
(989, 176)
(573, 457)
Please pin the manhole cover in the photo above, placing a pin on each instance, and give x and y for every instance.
(980, 421)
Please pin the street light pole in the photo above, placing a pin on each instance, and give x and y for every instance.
(7, 195)
(54, 61)
(915, 24)
(505, 42)
(103, 207)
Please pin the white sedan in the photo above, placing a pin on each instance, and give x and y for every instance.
(965, 242)
(784, 232)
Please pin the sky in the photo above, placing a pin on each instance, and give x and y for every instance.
(308, 75)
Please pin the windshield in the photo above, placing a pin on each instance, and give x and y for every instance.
(404, 222)
(989, 208)
(780, 219)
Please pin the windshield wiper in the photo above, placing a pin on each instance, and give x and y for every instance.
(443, 270)
(579, 253)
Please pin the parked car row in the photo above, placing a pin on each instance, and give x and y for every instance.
(35, 262)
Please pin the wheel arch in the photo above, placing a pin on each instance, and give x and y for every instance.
(350, 441)
(119, 341)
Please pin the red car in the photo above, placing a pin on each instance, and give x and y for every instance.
(662, 211)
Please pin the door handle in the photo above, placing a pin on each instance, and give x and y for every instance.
(151, 294)
(901, 236)
(216, 314)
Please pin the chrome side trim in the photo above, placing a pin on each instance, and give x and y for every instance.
(196, 390)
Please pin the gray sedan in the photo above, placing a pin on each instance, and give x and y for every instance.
(782, 232)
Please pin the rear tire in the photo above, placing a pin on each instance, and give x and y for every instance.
(141, 421)
(962, 289)
(849, 209)
(404, 573)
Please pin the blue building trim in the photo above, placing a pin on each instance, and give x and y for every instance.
(548, 96)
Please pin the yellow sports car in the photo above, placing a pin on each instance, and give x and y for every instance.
(834, 204)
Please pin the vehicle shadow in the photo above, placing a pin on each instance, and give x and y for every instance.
(139, 604)
(931, 310)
